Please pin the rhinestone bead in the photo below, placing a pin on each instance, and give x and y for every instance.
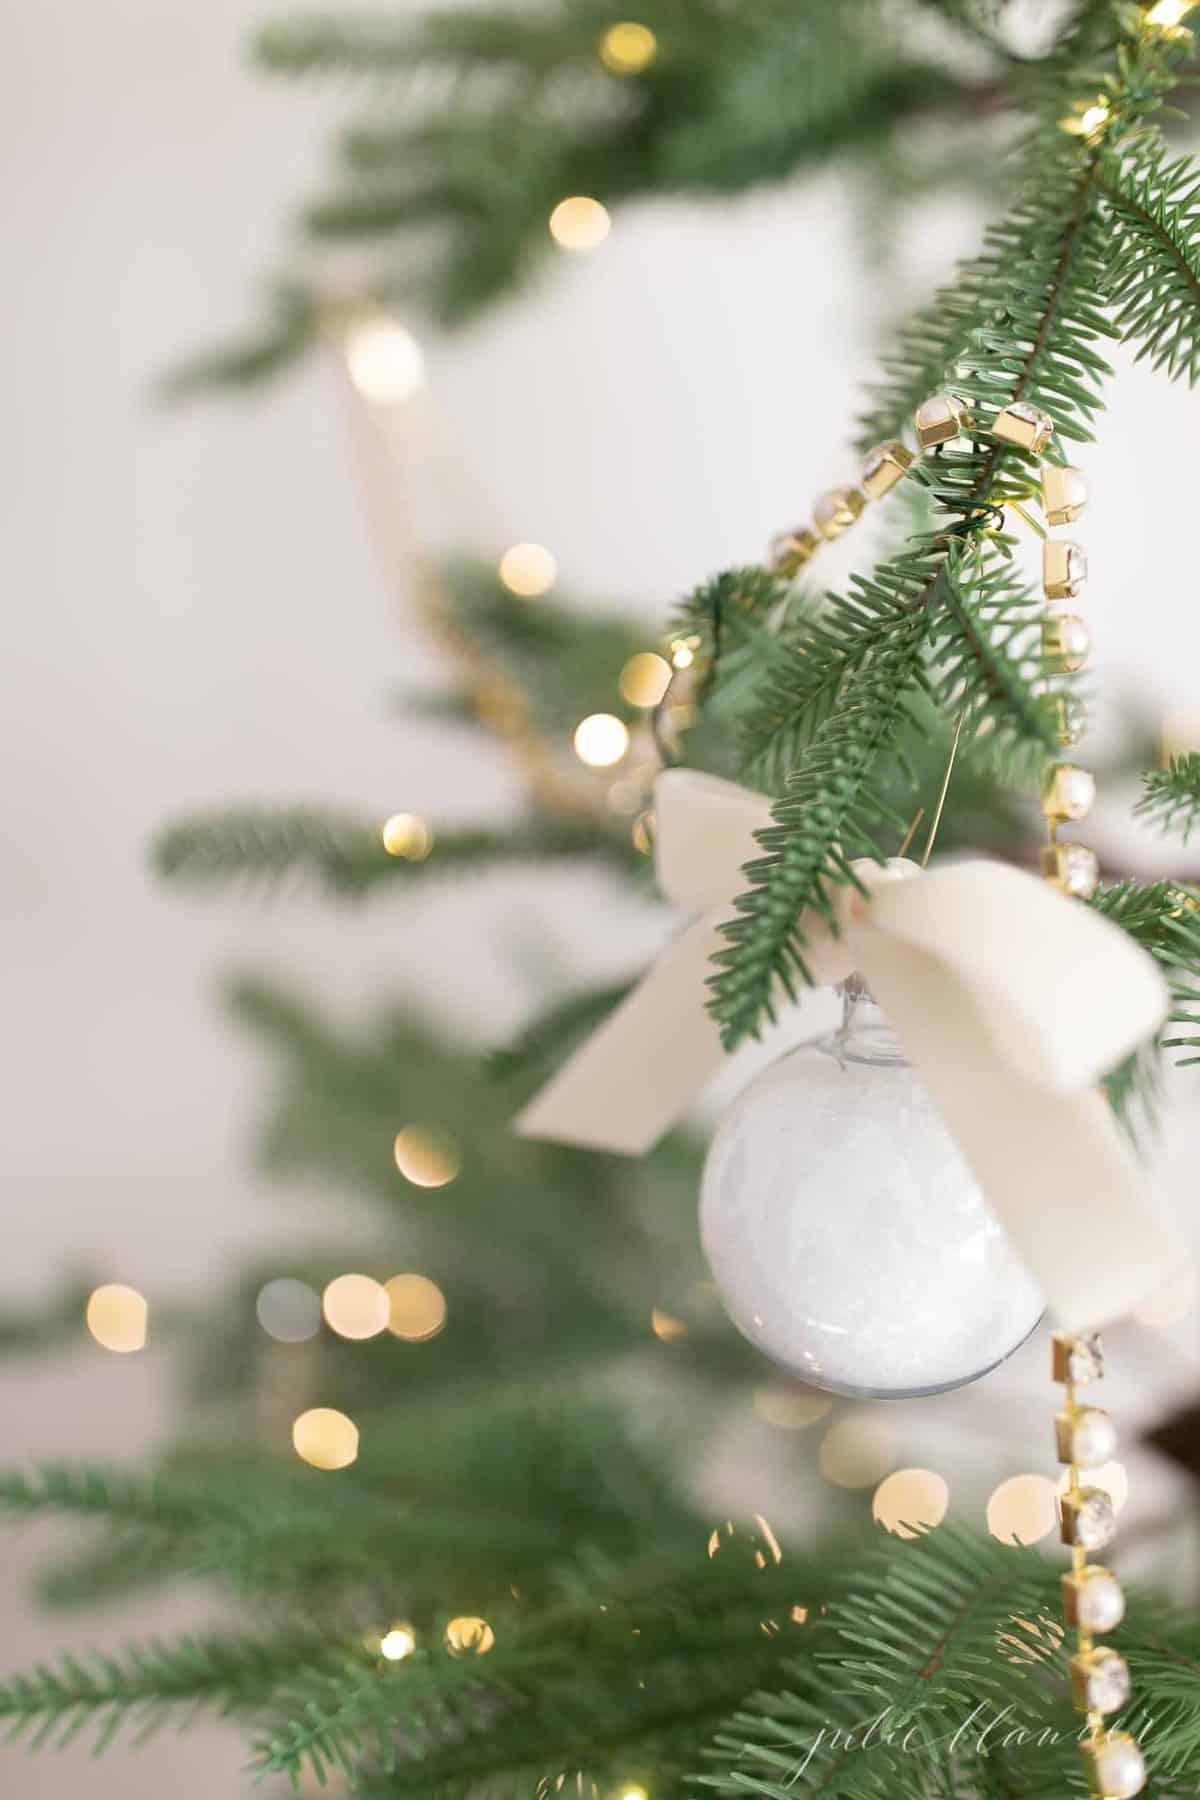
(883, 468)
(1089, 1519)
(1064, 569)
(1093, 1599)
(1073, 868)
(939, 419)
(1066, 642)
(1117, 1766)
(1078, 1357)
(1069, 792)
(837, 510)
(788, 551)
(1064, 494)
(1100, 1681)
(1026, 426)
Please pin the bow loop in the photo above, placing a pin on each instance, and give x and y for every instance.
(1010, 999)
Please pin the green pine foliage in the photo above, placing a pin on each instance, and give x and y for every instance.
(1154, 283)
(632, 1642)
(1171, 796)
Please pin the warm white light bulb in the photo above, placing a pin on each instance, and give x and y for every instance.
(1169, 13)
(601, 740)
(397, 1643)
(579, 223)
(384, 360)
(528, 570)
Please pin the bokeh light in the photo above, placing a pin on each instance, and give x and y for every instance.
(791, 1408)
(1169, 13)
(469, 1635)
(356, 1306)
(416, 1308)
(407, 835)
(601, 740)
(645, 678)
(1023, 1509)
(579, 223)
(384, 360)
(909, 1499)
(398, 1643)
(666, 1326)
(289, 1311)
(426, 1157)
(855, 1452)
(528, 570)
(116, 1317)
(628, 47)
(325, 1438)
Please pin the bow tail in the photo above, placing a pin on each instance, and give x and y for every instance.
(1059, 1174)
(634, 1077)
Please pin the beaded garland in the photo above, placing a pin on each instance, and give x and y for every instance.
(1093, 1601)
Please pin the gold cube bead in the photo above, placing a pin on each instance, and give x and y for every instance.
(1088, 1519)
(1066, 642)
(1092, 1598)
(1085, 1437)
(1071, 867)
(837, 510)
(1064, 569)
(1069, 792)
(1099, 1681)
(1116, 1767)
(939, 419)
(1078, 1357)
(1064, 493)
(1026, 426)
(883, 467)
(790, 550)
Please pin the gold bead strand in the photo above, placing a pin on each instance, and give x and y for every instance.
(838, 508)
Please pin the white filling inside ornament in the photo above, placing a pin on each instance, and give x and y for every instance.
(847, 1236)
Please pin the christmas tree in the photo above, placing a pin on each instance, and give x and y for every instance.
(539, 1604)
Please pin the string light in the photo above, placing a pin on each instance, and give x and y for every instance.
(355, 1306)
(398, 1643)
(791, 1409)
(426, 1158)
(601, 740)
(325, 1438)
(1022, 1509)
(384, 360)
(634, 1793)
(1089, 122)
(666, 1327)
(469, 1634)
(529, 570)
(416, 1308)
(628, 47)
(407, 835)
(855, 1452)
(579, 223)
(645, 678)
(116, 1317)
(1166, 14)
(910, 1499)
(289, 1311)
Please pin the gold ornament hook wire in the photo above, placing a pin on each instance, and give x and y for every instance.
(941, 805)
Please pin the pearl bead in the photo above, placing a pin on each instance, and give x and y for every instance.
(1100, 1604)
(1120, 1768)
(1093, 1438)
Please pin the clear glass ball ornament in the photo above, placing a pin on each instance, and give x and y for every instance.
(847, 1237)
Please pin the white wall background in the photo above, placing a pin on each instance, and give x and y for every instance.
(194, 614)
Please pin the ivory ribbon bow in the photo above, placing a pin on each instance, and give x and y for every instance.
(1011, 1001)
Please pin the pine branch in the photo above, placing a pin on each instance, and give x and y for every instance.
(346, 856)
(1154, 269)
(143, 1687)
(1171, 796)
(829, 815)
(1164, 918)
